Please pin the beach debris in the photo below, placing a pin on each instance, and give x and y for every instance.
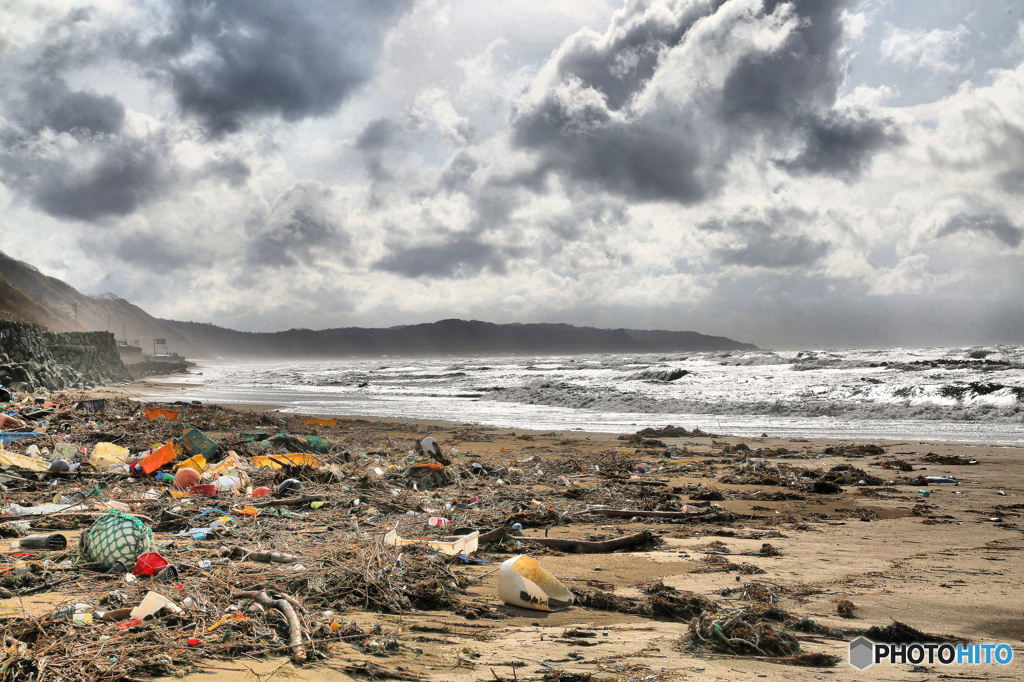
(949, 460)
(354, 532)
(51, 542)
(522, 582)
(750, 631)
(116, 536)
(186, 477)
(429, 447)
(901, 633)
(644, 539)
(451, 546)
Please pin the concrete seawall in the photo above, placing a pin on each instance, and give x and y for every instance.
(33, 358)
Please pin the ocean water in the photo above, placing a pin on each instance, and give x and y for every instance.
(960, 394)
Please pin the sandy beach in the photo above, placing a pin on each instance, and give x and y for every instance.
(948, 564)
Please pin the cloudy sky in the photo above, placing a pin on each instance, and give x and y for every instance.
(791, 174)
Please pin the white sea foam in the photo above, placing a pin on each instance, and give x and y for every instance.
(973, 394)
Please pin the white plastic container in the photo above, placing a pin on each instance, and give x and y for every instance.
(522, 582)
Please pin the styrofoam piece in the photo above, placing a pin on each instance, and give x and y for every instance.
(465, 544)
(522, 582)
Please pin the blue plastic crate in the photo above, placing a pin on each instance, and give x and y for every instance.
(13, 436)
(95, 405)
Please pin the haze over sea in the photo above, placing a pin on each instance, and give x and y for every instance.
(958, 394)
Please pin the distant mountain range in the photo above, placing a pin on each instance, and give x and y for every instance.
(28, 295)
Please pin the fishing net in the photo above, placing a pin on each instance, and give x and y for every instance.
(116, 536)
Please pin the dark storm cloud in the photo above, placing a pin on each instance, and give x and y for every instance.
(144, 250)
(456, 257)
(300, 228)
(995, 225)
(373, 141)
(767, 240)
(619, 67)
(123, 175)
(843, 145)
(232, 170)
(635, 159)
(582, 125)
(50, 104)
(804, 74)
(457, 172)
(778, 251)
(229, 61)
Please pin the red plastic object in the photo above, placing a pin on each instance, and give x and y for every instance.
(262, 491)
(193, 641)
(204, 489)
(149, 563)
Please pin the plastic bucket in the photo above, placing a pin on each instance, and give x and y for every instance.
(149, 563)
(522, 582)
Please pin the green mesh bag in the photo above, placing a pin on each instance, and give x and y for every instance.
(115, 536)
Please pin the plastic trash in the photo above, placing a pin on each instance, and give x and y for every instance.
(451, 546)
(107, 455)
(230, 465)
(437, 521)
(149, 563)
(288, 485)
(227, 482)
(186, 478)
(22, 462)
(522, 582)
(18, 510)
(924, 493)
(52, 542)
(165, 454)
(151, 604)
(942, 479)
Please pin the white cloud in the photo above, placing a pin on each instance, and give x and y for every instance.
(932, 50)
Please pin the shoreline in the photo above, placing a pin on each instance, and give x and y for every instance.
(156, 388)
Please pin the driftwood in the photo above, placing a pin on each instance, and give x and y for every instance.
(629, 513)
(285, 607)
(588, 547)
(287, 501)
(706, 517)
(630, 481)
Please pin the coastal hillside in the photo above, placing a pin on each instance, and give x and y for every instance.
(448, 337)
(27, 295)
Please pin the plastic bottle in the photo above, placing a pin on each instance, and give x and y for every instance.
(438, 521)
